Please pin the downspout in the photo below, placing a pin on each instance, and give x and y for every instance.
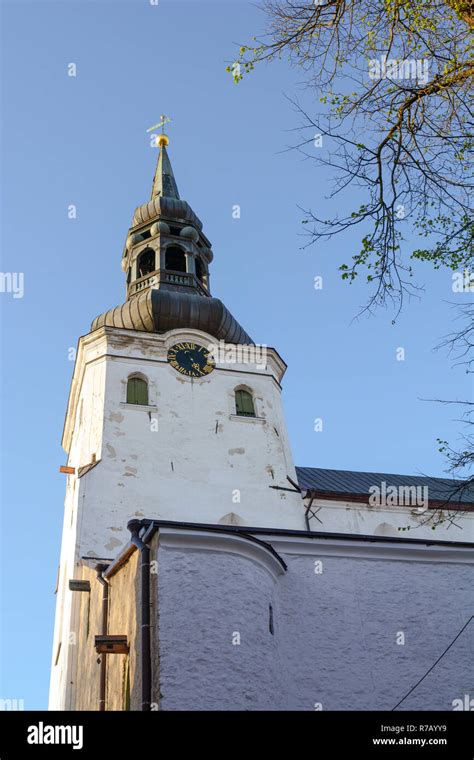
(134, 527)
(105, 613)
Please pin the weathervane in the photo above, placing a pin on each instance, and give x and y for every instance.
(162, 139)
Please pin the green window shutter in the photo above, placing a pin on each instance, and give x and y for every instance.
(137, 391)
(244, 404)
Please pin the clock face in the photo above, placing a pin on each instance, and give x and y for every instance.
(191, 359)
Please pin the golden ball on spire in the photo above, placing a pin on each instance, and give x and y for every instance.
(163, 140)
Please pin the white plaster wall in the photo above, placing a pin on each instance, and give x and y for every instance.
(401, 522)
(335, 642)
(201, 668)
(134, 476)
(65, 602)
(339, 633)
(86, 441)
(202, 463)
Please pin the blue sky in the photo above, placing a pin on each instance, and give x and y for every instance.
(82, 141)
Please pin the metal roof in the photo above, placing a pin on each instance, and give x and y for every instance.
(164, 183)
(157, 310)
(350, 482)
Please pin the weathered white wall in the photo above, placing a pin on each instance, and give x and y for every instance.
(200, 667)
(186, 456)
(335, 640)
(392, 521)
(86, 414)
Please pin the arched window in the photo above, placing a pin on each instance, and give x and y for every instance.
(146, 262)
(137, 391)
(244, 405)
(175, 260)
(199, 269)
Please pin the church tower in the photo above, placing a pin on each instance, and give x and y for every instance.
(174, 413)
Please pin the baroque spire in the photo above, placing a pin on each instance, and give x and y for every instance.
(166, 260)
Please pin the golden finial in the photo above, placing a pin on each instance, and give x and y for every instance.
(162, 139)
